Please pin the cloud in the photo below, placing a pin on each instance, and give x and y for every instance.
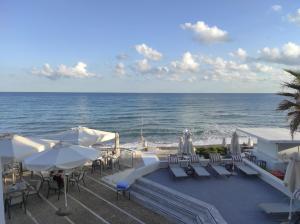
(120, 69)
(288, 54)
(276, 8)
(206, 34)
(186, 64)
(63, 71)
(142, 66)
(148, 52)
(239, 53)
(294, 18)
(122, 56)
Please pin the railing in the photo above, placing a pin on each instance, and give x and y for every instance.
(127, 157)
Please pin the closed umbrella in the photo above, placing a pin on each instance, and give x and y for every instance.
(187, 142)
(235, 145)
(224, 144)
(180, 145)
(83, 136)
(117, 145)
(250, 142)
(61, 157)
(292, 177)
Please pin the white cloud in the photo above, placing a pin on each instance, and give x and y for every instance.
(239, 53)
(148, 52)
(63, 71)
(186, 64)
(294, 18)
(276, 8)
(142, 66)
(289, 54)
(122, 56)
(120, 69)
(206, 34)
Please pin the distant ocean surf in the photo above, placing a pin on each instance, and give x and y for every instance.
(162, 116)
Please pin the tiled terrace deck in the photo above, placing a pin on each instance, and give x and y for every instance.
(95, 203)
(236, 198)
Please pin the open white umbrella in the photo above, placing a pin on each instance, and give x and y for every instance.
(292, 177)
(14, 148)
(61, 157)
(83, 136)
(235, 145)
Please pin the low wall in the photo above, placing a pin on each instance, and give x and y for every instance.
(269, 178)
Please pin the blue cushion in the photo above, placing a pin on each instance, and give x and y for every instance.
(122, 185)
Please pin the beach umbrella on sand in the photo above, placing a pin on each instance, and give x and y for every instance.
(61, 157)
(235, 145)
(83, 136)
(292, 178)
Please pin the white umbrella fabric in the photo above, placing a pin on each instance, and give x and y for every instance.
(14, 148)
(180, 145)
(83, 136)
(235, 145)
(292, 177)
(187, 142)
(61, 157)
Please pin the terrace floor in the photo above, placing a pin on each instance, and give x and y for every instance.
(236, 197)
(95, 203)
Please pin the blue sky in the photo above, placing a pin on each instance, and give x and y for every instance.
(148, 46)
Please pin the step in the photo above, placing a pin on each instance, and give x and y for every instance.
(206, 212)
(165, 211)
(166, 201)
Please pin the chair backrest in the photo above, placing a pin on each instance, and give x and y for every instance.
(173, 159)
(215, 157)
(237, 158)
(38, 185)
(81, 175)
(195, 158)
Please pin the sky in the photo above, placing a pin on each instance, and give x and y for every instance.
(148, 46)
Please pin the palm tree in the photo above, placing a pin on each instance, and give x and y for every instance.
(292, 103)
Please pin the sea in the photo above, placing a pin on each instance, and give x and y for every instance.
(160, 117)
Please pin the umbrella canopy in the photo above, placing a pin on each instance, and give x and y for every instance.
(180, 145)
(83, 136)
(61, 157)
(235, 145)
(292, 175)
(187, 142)
(224, 144)
(15, 147)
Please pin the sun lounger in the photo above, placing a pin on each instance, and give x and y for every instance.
(216, 164)
(175, 168)
(238, 163)
(199, 170)
(278, 208)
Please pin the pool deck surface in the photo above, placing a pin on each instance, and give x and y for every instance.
(236, 197)
(95, 203)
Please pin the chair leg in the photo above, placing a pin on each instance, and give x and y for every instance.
(83, 182)
(78, 186)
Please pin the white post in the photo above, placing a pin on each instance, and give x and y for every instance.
(2, 219)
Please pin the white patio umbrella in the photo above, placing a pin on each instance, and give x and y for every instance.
(14, 148)
(61, 157)
(187, 142)
(83, 136)
(292, 177)
(180, 145)
(117, 144)
(235, 145)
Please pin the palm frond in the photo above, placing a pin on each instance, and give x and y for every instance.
(286, 105)
(293, 95)
(292, 85)
(294, 122)
(296, 74)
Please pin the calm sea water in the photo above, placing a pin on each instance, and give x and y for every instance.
(164, 116)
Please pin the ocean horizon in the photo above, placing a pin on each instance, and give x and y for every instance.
(162, 117)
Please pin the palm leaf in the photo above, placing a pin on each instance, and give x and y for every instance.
(293, 95)
(286, 105)
(294, 122)
(296, 74)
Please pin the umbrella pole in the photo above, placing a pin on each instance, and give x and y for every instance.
(65, 190)
(64, 211)
(291, 207)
